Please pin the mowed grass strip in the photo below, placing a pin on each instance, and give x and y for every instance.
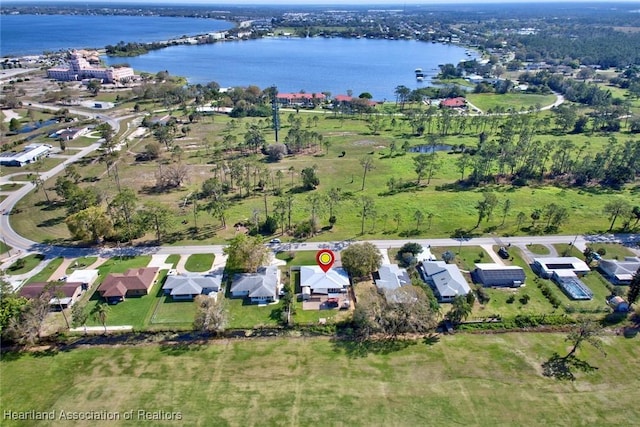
(465, 379)
(46, 273)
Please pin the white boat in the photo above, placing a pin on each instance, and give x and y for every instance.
(419, 74)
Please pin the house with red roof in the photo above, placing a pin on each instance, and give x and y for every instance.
(458, 102)
(134, 283)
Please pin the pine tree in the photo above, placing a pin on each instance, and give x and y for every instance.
(634, 288)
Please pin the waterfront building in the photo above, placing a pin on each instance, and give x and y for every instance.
(79, 69)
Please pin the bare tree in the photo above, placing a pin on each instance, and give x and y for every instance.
(211, 315)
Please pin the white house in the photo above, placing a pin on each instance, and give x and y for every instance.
(261, 287)
(334, 281)
(546, 266)
(29, 154)
(446, 280)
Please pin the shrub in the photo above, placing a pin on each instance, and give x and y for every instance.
(524, 299)
(483, 295)
(548, 293)
(511, 299)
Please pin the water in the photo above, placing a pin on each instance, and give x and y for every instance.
(429, 148)
(36, 125)
(313, 65)
(34, 34)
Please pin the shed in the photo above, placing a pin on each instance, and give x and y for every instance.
(306, 293)
(618, 304)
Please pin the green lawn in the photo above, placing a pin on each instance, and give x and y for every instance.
(466, 256)
(46, 273)
(613, 250)
(81, 263)
(28, 263)
(487, 101)
(173, 259)
(4, 248)
(538, 249)
(461, 379)
(197, 263)
(298, 257)
(243, 314)
(565, 249)
(169, 312)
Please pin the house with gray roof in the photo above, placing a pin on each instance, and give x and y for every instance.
(390, 277)
(490, 274)
(260, 287)
(187, 286)
(446, 280)
(619, 272)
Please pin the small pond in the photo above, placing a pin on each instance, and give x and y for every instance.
(429, 148)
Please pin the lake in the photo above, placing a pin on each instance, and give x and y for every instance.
(34, 34)
(313, 64)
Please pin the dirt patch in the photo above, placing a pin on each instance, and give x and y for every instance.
(365, 142)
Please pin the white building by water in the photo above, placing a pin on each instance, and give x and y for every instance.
(79, 69)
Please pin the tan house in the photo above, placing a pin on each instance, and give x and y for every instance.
(134, 283)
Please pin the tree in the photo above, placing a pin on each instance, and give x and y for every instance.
(367, 207)
(121, 210)
(520, 219)
(152, 150)
(246, 253)
(486, 206)
(172, 176)
(14, 125)
(94, 86)
(157, 217)
(367, 165)
(406, 255)
(418, 215)
(11, 305)
(79, 316)
(100, 313)
(26, 327)
(92, 224)
(309, 178)
(361, 259)
(276, 152)
(421, 162)
(211, 314)
(505, 210)
(634, 288)
(460, 310)
(334, 196)
(39, 184)
(617, 208)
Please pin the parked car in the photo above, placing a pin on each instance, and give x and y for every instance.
(504, 254)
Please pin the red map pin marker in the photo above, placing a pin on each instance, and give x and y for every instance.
(325, 259)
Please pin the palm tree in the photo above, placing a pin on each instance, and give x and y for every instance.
(100, 313)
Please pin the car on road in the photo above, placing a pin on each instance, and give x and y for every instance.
(275, 241)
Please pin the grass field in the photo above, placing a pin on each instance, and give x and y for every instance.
(452, 208)
(489, 101)
(464, 379)
(199, 262)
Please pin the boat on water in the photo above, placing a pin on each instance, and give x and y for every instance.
(419, 74)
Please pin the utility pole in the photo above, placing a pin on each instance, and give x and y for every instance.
(274, 110)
